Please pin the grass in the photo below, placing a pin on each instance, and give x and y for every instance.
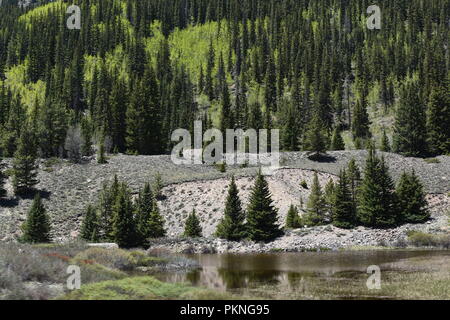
(421, 239)
(142, 288)
(39, 272)
(432, 160)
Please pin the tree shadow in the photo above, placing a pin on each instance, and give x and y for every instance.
(9, 203)
(31, 193)
(323, 158)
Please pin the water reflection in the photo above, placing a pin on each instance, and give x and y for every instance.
(287, 271)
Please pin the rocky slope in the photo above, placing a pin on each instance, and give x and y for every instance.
(69, 188)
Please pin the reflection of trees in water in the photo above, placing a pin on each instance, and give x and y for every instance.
(235, 279)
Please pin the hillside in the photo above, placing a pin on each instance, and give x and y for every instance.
(69, 188)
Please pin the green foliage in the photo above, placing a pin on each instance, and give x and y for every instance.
(123, 224)
(385, 144)
(156, 223)
(192, 227)
(316, 206)
(232, 226)
(293, 220)
(438, 118)
(360, 124)
(24, 164)
(157, 186)
(337, 143)
(101, 157)
(410, 122)
(36, 229)
(344, 215)
(412, 205)
(376, 195)
(315, 138)
(261, 213)
(90, 226)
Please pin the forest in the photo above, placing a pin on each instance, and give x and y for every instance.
(139, 69)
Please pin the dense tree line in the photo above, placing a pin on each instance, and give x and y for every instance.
(370, 200)
(120, 219)
(310, 68)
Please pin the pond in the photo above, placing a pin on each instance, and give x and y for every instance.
(339, 274)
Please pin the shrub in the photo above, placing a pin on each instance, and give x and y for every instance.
(421, 239)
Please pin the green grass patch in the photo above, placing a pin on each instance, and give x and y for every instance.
(142, 288)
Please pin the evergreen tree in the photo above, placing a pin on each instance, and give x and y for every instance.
(412, 205)
(232, 227)
(344, 215)
(261, 213)
(354, 179)
(385, 144)
(316, 207)
(86, 133)
(108, 197)
(315, 137)
(410, 123)
(376, 195)
(156, 222)
(89, 227)
(337, 143)
(293, 218)
(438, 119)
(361, 123)
(36, 229)
(124, 228)
(192, 227)
(101, 157)
(328, 198)
(144, 208)
(24, 163)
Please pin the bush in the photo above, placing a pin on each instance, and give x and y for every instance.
(421, 239)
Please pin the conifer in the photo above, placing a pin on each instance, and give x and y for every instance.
(232, 226)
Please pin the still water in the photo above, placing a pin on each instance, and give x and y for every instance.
(281, 271)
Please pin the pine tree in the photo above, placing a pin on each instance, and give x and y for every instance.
(412, 205)
(376, 195)
(385, 144)
(144, 207)
(90, 227)
(354, 179)
(108, 197)
(232, 226)
(361, 123)
(316, 207)
(24, 163)
(328, 198)
(192, 226)
(344, 215)
(410, 123)
(101, 157)
(293, 218)
(124, 228)
(337, 143)
(438, 119)
(86, 133)
(156, 222)
(36, 229)
(315, 138)
(261, 213)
